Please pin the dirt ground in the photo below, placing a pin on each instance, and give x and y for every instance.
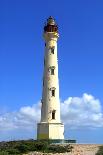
(84, 149)
(78, 149)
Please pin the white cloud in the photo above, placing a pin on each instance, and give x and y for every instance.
(85, 111)
(26, 118)
(76, 112)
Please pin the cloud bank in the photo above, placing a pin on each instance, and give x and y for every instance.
(76, 112)
(85, 111)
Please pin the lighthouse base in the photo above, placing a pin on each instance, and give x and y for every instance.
(51, 131)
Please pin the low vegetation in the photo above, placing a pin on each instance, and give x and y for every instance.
(100, 151)
(25, 146)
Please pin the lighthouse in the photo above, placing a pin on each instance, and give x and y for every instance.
(50, 126)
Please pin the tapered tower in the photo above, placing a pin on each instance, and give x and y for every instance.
(50, 126)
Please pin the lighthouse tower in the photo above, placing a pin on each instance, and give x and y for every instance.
(50, 126)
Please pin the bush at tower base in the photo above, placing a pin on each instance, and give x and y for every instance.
(26, 146)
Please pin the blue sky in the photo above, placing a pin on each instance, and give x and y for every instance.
(80, 54)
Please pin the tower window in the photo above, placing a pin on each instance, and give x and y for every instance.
(53, 114)
(53, 92)
(52, 71)
(52, 50)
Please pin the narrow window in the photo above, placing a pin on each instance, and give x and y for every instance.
(52, 71)
(52, 50)
(53, 114)
(53, 92)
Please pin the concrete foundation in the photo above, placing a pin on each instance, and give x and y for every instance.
(50, 131)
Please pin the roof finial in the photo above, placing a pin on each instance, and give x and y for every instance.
(51, 21)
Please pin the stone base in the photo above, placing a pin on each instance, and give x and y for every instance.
(49, 131)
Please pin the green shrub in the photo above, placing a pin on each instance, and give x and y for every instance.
(59, 148)
(100, 151)
(40, 146)
(13, 151)
(25, 146)
(3, 153)
(22, 148)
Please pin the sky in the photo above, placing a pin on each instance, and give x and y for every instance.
(80, 58)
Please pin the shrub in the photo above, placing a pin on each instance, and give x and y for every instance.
(25, 146)
(60, 148)
(13, 151)
(22, 148)
(3, 153)
(100, 151)
(41, 146)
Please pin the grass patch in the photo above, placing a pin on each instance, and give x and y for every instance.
(26, 146)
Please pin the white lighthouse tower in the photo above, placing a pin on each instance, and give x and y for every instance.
(50, 126)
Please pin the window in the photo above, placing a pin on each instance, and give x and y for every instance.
(52, 71)
(53, 92)
(52, 50)
(53, 114)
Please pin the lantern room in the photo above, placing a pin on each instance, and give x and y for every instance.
(50, 25)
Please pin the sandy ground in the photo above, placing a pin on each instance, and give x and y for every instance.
(78, 149)
(84, 149)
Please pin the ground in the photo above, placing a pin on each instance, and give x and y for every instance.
(84, 149)
(79, 149)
